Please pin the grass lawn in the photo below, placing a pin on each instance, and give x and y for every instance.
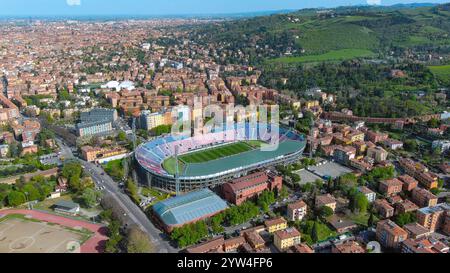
(216, 153)
(114, 169)
(209, 155)
(361, 219)
(334, 55)
(48, 203)
(441, 71)
(160, 196)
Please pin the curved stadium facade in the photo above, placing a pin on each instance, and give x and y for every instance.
(152, 155)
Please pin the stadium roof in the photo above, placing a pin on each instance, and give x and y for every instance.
(241, 160)
(189, 207)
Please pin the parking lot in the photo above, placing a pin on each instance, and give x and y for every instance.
(331, 169)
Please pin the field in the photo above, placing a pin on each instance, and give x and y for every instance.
(442, 72)
(334, 55)
(21, 235)
(215, 153)
(209, 154)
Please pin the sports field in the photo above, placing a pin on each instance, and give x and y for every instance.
(209, 155)
(21, 235)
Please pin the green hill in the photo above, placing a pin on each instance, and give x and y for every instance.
(318, 35)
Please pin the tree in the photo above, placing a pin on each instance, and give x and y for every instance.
(371, 219)
(33, 193)
(325, 211)
(410, 145)
(360, 203)
(216, 223)
(405, 218)
(138, 241)
(122, 136)
(16, 198)
(315, 232)
(90, 197)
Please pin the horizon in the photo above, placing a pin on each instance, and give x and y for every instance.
(176, 8)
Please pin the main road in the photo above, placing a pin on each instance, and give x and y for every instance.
(135, 214)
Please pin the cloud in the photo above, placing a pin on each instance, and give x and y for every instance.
(374, 2)
(73, 2)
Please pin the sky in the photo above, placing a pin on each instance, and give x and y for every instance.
(171, 7)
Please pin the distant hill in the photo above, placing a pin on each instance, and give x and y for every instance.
(357, 31)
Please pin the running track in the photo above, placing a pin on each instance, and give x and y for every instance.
(95, 244)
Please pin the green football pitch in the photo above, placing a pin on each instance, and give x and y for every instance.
(209, 154)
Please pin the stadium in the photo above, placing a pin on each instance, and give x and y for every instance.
(211, 159)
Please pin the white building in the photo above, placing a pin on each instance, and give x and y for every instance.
(442, 145)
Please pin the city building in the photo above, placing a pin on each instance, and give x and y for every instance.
(377, 153)
(88, 129)
(384, 208)
(343, 154)
(325, 200)
(424, 245)
(150, 120)
(297, 211)
(188, 208)
(405, 206)
(102, 155)
(98, 121)
(416, 231)
(409, 183)
(370, 195)
(347, 247)
(434, 218)
(284, 239)
(276, 224)
(390, 187)
(390, 235)
(241, 189)
(441, 145)
(423, 198)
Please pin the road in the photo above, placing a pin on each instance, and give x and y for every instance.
(132, 211)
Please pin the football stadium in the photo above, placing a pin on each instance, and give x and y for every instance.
(211, 159)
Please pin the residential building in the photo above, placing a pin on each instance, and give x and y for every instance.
(409, 183)
(370, 195)
(424, 198)
(325, 200)
(434, 218)
(343, 154)
(441, 145)
(275, 224)
(301, 248)
(347, 247)
(383, 208)
(390, 187)
(424, 245)
(377, 153)
(416, 231)
(89, 129)
(284, 239)
(103, 155)
(241, 189)
(150, 120)
(297, 211)
(390, 235)
(393, 144)
(405, 206)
